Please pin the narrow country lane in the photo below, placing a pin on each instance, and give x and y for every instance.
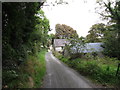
(60, 75)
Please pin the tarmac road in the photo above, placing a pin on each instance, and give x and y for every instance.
(59, 75)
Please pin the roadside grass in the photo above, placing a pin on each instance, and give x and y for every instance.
(40, 69)
(100, 70)
(31, 72)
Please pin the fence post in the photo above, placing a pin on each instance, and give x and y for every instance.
(118, 69)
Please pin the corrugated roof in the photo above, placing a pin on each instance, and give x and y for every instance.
(60, 42)
(90, 47)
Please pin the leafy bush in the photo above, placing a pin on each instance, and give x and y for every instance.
(57, 54)
(76, 55)
(99, 70)
(65, 60)
(24, 35)
(102, 70)
(30, 73)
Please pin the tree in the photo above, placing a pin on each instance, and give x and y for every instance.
(78, 44)
(76, 47)
(23, 34)
(96, 33)
(64, 31)
(52, 37)
(42, 29)
(112, 38)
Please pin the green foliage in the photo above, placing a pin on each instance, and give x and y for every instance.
(78, 44)
(30, 74)
(42, 29)
(40, 69)
(112, 34)
(33, 71)
(65, 32)
(24, 34)
(57, 54)
(111, 44)
(51, 38)
(96, 33)
(97, 69)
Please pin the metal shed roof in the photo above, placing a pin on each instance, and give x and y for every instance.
(90, 47)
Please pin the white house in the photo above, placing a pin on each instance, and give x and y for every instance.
(59, 44)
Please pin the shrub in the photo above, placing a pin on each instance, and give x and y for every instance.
(102, 70)
(103, 73)
(57, 54)
(88, 68)
(32, 71)
(76, 55)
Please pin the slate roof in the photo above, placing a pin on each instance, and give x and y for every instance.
(60, 42)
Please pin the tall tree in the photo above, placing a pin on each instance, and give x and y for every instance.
(112, 39)
(42, 29)
(96, 33)
(64, 31)
(23, 31)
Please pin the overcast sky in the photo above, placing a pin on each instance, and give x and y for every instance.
(79, 14)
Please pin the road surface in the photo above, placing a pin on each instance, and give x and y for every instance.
(59, 75)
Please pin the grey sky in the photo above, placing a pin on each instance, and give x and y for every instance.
(79, 14)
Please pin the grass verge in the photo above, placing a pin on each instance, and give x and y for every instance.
(34, 70)
(31, 72)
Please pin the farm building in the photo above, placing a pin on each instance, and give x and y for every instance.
(59, 44)
(89, 47)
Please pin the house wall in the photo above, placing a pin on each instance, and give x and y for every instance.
(58, 49)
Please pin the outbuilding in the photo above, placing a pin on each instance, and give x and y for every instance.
(59, 44)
